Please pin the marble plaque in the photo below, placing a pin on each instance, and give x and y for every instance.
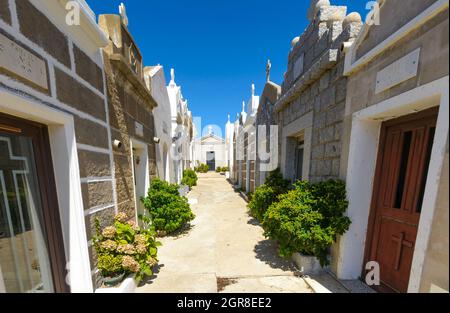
(298, 66)
(19, 62)
(139, 129)
(398, 72)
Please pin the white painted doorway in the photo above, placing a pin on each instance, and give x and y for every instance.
(141, 177)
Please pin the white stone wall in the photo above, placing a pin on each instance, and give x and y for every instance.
(181, 123)
(156, 82)
(202, 146)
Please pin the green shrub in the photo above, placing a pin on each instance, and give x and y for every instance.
(277, 182)
(202, 168)
(168, 211)
(125, 248)
(189, 178)
(267, 194)
(224, 169)
(308, 219)
(263, 197)
(218, 169)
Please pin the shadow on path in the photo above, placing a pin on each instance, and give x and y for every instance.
(149, 280)
(267, 251)
(182, 232)
(253, 221)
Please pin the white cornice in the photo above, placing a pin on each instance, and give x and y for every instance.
(88, 23)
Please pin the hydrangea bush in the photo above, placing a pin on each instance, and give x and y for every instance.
(125, 248)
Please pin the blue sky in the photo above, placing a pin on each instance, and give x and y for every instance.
(217, 47)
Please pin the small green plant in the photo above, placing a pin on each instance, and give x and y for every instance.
(308, 219)
(189, 178)
(218, 169)
(168, 211)
(124, 248)
(267, 194)
(224, 169)
(202, 168)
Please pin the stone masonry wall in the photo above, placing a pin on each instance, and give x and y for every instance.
(320, 88)
(126, 108)
(76, 88)
(129, 102)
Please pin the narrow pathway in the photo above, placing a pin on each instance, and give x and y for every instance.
(223, 251)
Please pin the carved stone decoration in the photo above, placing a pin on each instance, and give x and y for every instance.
(268, 68)
(20, 63)
(123, 14)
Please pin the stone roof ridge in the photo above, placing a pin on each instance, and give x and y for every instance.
(324, 13)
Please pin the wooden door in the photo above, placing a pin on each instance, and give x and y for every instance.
(31, 245)
(403, 161)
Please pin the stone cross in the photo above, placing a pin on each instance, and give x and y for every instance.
(123, 14)
(268, 68)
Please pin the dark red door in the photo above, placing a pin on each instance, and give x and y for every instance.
(403, 161)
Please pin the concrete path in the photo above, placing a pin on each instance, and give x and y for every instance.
(223, 251)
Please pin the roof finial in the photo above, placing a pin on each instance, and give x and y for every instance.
(123, 14)
(210, 130)
(229, 118)
(243, 106)
(172, 75)
(253, 89)
(268, 68)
